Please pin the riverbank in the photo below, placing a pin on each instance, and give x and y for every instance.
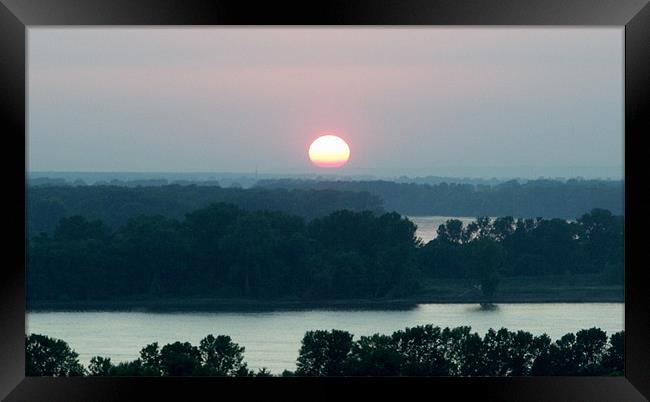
(234, 305)
(512, 290)
(228, 305)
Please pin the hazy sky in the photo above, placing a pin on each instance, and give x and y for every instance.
(414, 101)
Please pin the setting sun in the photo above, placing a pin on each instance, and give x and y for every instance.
(329, 151)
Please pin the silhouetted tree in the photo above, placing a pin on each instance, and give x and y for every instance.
(418, 351)
(484, 261)
(101, 367)
(222, 357)
(225, 251)
(180, 359)
(590, 345)
(374, 355)
(614, 359)
(423, 351)
(323, 353)
(151, 359)
(45, 356)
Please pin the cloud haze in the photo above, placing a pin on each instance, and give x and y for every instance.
(414, 101)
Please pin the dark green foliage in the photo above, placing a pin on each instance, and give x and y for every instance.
(564, 356)
(418, 351)
(224, 251)
(180, 359)
(602, 236)
(614, 358)
(100, 366)
(451, 232)
(591, 347)
(423, 350)
(375, 355)
(368, 255)
(115, 205)
(323, 353)
(95, 243)
(508, 353)
(486, 251)
(77, 228)
(464, 350)
(431, 351)
(484, 259)
(585, 353)
(545, 198)
(263, 372)
(45, 356)
(133, 368)
(215, 356)
(222, 357)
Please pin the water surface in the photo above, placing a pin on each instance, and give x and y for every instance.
(272, 339)
(428, 225)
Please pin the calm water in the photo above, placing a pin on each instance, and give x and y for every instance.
(428, 225)
(272, 339)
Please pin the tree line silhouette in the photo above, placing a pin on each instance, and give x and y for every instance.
(227, 252)
(309, 199)
(116, 204)
(534, 198)
(418, 351)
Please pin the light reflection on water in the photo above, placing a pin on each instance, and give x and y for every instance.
(272, 339)
(428, 225)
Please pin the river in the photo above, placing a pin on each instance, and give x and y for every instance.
(427, 226)
(272, 339)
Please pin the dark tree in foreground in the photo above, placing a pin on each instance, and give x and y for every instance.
(374, 355)
(180, 359)
(215, 356)
(323, 353)
(423, 351)
(100, 366)
(614, 359)
(222, 357)
(418, 351)
(45, 356)
(432, 351)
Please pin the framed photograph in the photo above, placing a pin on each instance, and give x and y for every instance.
(279, 198)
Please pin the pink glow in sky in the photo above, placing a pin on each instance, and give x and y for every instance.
(409, 101)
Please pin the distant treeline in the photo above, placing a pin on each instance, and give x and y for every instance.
(535, 198)
(115, 205)
(418, 351)
(227, 252)
(217, 179)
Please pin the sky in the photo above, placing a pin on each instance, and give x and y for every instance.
(456, 101)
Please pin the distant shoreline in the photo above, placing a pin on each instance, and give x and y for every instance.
(248, 305)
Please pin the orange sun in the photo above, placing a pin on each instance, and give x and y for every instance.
(329, 151)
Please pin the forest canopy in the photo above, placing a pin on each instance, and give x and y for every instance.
(534, 198)
(225, 251)
(115, 204)
(423, 350)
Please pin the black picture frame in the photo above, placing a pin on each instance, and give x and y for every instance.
(18, 15)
